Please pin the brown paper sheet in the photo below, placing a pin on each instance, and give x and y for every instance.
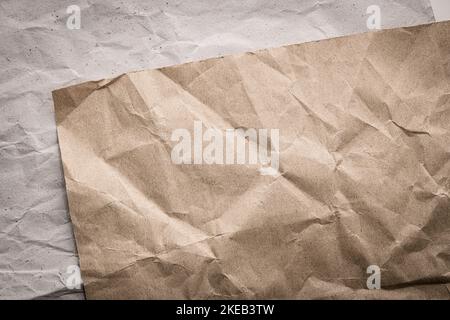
(363, 174)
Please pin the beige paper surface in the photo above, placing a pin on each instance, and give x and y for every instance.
(364, 139)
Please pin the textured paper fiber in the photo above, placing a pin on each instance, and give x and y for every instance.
(40, 53)
(364, 124)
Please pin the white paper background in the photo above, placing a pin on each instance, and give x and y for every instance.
(38, 54)
(441, 9)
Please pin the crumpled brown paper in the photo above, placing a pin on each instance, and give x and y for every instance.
(39, 53)
(364, 124)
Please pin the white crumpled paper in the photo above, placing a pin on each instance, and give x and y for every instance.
(38, 54)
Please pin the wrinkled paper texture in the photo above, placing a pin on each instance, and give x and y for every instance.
(363, 179)
(39, 53)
